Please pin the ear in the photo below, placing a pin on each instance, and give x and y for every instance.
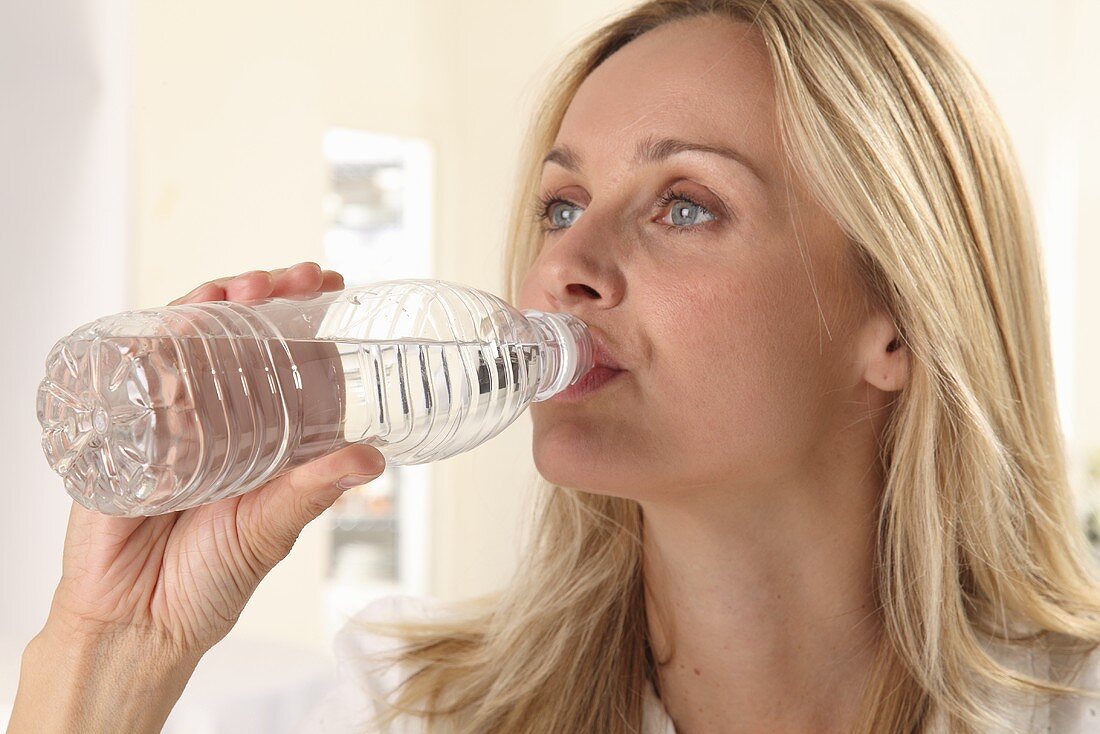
(885, 356)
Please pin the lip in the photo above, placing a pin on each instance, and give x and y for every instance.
(592, 381)
(601, 354)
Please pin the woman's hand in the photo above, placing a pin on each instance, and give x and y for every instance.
(181, 580)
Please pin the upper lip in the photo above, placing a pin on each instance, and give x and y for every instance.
(601, 353)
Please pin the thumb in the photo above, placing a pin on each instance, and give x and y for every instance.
(273, 516)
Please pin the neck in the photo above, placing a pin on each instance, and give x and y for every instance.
(760, 603)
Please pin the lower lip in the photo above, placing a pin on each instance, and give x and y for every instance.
(592, 381)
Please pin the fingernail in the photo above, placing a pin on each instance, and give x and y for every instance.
(355, 480)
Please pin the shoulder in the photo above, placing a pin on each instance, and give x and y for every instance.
(1055, 659)
(366, 673)
(1076, 714)
(356, 638)
(1070, 714)
(356, 642)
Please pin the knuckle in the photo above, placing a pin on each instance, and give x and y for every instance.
(272, 547)
(265, 533)
(309, 501)
(314, 504)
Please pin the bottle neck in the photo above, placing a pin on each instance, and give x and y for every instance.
(565, 350)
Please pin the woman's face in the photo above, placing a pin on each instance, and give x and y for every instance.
(721, 288)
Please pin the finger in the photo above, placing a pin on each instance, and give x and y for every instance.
(209, 291)
(272, 517)
(305, 277)
(225, 279)
(249, 286)
(332, 281)
(88, 526)
(215, 290)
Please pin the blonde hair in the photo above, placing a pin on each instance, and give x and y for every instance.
(977, 536)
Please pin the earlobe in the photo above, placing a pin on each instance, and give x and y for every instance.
(889, 370)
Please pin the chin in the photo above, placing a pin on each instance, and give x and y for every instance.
(570, 456)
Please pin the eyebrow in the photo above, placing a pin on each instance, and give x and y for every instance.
(652, 150)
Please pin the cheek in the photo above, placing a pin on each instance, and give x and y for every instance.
(525, 293)
(736, 367)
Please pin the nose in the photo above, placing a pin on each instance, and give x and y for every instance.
(574, 273)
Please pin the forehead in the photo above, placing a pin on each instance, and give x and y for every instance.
(704, 79)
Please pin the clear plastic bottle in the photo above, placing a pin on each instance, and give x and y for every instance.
(162, 409)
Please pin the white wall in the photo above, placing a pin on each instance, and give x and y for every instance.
(63, 214)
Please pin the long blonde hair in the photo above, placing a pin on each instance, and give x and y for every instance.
(977, 537)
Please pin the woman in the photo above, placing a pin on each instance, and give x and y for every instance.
(825, 489)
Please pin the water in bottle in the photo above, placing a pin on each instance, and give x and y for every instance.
(151, 411)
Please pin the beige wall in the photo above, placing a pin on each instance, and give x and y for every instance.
(1084, 80)
(232, 99)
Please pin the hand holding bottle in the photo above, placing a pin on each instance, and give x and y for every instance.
(155, 410)
(175, 584)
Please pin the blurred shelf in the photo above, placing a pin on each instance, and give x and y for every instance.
(364, 524)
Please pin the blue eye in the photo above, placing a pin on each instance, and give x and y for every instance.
(685, 213)
(562, 214)
(554, 213)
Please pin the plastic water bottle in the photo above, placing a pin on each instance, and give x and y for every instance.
(162, 409)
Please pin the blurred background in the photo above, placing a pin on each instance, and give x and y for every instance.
(146, 147)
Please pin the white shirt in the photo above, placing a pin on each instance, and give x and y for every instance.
(347, 707)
